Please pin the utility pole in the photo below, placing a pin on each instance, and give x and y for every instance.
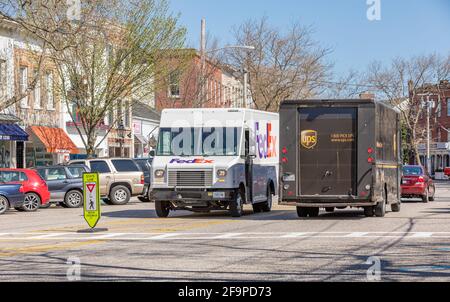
(428, 105)
(203, 61)
(245, 72)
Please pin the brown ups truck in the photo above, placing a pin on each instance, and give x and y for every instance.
(340, 153)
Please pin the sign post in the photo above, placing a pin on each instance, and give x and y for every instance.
(91, 191)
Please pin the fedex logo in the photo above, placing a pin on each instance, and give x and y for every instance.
(193, 161)
(265, 142)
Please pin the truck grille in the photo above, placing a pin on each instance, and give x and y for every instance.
(190, 178)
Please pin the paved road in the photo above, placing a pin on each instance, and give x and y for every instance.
(411, 245)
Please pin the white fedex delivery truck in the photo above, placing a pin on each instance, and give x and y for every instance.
(215, 159)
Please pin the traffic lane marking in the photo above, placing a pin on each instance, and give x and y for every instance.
(220, 236)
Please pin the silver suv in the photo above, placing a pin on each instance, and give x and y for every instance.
(120, 178)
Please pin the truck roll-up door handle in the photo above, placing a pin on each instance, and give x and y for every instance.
(327, 173)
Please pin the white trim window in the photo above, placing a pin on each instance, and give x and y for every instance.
(23, 85)
(37, 91)
(174, 85)
(50, 91)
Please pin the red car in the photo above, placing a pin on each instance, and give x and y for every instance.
(34, 187)
(416, 183)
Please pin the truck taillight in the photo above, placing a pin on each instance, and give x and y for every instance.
(284, 150)
(370, 151)
(142, 180)
(370, 160)
(284, 160)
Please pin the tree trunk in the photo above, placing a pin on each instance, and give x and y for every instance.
(90, 148)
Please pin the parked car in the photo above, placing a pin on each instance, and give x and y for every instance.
(11, 195)
(145, 164)
(120, 178)
(416, 183)
(65, 184)
(35, 189)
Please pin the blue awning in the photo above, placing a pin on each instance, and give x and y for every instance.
(12, 132)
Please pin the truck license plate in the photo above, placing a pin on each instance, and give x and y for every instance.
(219, 195)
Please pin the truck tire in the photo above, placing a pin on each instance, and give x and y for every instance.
(313, 212)
(267, 205)
(257, 208)
(329, 210)
(380, 209)
(73, 199)
(302, 212)
(395, 207)
(162, 208)
(237, 206)
(119, 195)
(369, 211)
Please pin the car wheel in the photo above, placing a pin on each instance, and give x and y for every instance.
(237, 206)
(431, 196)
(73, 199)
(119, 195)
(4, 204)
(369, 211)
(425, 198)
(31, 203)
(45, 206)
(162, 208)
(302, 212)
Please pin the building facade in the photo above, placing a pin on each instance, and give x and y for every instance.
(439, 95)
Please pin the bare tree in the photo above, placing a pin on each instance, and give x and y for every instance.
(283, 65)
(105, 59)
(402, 82)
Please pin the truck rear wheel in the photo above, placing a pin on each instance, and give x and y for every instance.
(302, 212)
(380, 209)
(313, 212)
(267, 206)
(162, 208)
(237, 206)
(369, 211)
(395, 207)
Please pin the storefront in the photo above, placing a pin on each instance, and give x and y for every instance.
(439, 155)
(48, 146)
(12, 139)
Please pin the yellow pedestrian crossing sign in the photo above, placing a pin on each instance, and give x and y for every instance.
(91, 191)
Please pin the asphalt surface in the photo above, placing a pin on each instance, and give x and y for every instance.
(133, 245)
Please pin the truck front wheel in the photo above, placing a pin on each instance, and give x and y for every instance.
(162, 208)
(369, 211)
(237, 205)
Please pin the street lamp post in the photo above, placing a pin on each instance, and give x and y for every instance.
(428, 105)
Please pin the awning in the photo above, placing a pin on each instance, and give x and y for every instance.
(141, 138)
(12, 132)
(55, 140)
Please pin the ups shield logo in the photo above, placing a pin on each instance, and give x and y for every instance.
(309, 139)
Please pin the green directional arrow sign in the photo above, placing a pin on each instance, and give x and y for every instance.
(91, 190)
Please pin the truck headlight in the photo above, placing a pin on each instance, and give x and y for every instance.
(159, 173)
(222, 173)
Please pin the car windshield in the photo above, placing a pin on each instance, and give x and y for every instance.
(413, 171)
(199, 141)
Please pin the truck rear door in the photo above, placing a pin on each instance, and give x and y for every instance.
(327, 156)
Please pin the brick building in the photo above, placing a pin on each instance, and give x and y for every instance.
(187, 85)
(439, 94)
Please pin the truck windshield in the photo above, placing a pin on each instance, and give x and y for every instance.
(199, 141)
